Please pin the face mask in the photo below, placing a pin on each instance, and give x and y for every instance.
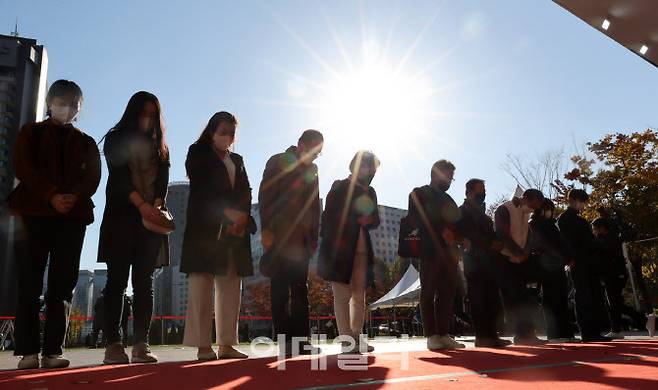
(63, 114)
(479, 198)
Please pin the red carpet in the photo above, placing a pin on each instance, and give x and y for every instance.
(622, 364)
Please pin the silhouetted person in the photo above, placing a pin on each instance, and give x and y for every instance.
(58, 167)
(435, 213)
(585, 270)
(289, 204)
(481, 248)
(99, 322)
(512, 228)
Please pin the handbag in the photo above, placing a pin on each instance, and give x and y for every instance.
(162, 223)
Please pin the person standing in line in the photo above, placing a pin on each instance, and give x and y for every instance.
(58, 168)
(550, 254)
(480, 249)
(346, 253)
(216, 245)
(584, 271)
(137, 159)
(511, 221)
(289, 204)
(436, 214)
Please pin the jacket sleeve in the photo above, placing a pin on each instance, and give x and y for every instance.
(503, 230)
(268, 193)
(315, 209)
(116, 157)
(329, 220)
(26, 170)
(375, 212)
(88, 185)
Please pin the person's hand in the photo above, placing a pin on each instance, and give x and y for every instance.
(571, 263)
(235, 230)
(236, 216)
(467, 245)
(63, 203)
(519, 259)
(158, 203)
(266, 239)
(147, 211)
(365, 220)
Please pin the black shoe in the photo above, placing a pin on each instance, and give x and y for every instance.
(529, 340)
(489, 342)
(597, 338)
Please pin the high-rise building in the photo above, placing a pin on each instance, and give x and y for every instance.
(99, 280)
(385, 237)
(23, 71)
(84, 294)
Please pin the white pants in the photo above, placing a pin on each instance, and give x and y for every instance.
(350, 299)
(198, 328)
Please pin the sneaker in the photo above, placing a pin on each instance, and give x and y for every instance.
(651, 324)
(529, 340)
(142, 354)
(29, 362)
(206, 355)
(228, 352)
(614, 335)
(54, 361)
(563, 340)
(115, 353)
(365, 347)
(443, 342)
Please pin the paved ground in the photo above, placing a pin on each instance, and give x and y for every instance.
(90, 357)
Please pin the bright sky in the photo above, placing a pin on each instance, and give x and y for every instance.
(415, 81)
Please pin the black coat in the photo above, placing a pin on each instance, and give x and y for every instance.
(121, 219)
(578, 233)
(210, 195)
(547, 245)
(478, 228)
(339, 239)
(434, 211)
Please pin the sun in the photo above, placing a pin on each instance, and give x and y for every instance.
(375, 107)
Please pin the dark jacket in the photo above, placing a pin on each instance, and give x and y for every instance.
(340, 230)
(210, 195)
(121, 219)
(578, 233)
(433, 211)
(289, 205)
(548, 247)
(609, 248)
(52, 159)
(476, 227)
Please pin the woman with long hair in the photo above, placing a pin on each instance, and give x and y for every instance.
(137, 159)
(216, 244)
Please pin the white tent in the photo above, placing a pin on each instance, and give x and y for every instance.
(405, 293)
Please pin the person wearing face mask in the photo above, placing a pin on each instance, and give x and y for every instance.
(590, 312)
(216, 245)
(137, 159)
(550, 254)
(480, 248)
(511, 223)
(436, 214)
(346, 255)
(289, 207)
(58, 167)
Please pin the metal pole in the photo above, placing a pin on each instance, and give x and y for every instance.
(631, 274)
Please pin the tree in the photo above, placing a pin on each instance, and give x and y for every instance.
(540, 173)
(623, 180)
